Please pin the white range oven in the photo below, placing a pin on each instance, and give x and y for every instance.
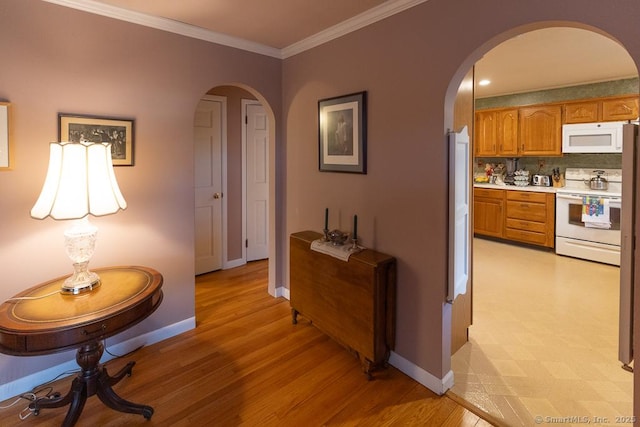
(580, 233)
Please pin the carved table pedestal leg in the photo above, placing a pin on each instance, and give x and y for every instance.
(93, 379)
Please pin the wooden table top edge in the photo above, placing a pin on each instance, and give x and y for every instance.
(132, 309)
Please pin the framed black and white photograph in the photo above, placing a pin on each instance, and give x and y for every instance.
(343, 133)
(5, 147)
(119, 132)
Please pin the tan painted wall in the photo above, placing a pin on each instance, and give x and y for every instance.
(56, 59)
(411, 65)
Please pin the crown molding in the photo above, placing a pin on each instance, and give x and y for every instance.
(167, 25)
(369, 17)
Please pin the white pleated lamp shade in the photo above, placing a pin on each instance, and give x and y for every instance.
(80, 181)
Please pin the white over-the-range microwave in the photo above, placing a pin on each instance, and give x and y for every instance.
(602, 137)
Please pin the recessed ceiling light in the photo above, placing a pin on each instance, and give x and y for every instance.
(484, 82)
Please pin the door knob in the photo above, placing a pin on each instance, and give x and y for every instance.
(217, 195)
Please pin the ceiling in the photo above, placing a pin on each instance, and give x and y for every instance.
(541, 59)
(274, 23)
(552, 58)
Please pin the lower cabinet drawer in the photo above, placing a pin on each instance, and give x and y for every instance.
(526, 210)
(521, 224)
(527, 196)
(526, 236)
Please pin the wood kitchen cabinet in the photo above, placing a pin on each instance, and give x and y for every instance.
(530, 217)
(352, 301)
(496, 133)
(536, 130)
(620, 109)
(582, 112)
(516, 132)
(522, 216)
(540, 130)
(488, 212)
(601, 110)
(485, 144)
(507, 132)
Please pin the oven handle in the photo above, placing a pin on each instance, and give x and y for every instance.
(568, 196)
(579, 197)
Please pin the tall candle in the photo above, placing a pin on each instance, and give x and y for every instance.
(355, 227)
(326, 218)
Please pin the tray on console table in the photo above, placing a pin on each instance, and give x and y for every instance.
(352, 301)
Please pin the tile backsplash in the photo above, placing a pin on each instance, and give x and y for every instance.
(532, 164)
(593, 90)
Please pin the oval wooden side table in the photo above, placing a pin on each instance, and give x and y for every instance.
(41, 320)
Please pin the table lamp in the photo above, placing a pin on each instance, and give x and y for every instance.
(80, 181)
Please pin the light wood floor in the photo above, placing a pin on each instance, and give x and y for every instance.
(245, 364)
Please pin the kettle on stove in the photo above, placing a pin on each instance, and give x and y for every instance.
(598, 182)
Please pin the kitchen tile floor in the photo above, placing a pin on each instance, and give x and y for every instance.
(544, 340)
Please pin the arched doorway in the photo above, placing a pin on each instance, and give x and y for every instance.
(505, 388)
(233, 100)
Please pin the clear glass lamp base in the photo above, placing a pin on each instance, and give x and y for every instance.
(81, 281)
(80, 240)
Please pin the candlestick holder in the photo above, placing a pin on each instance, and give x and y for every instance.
(354, 246)
(326, 235)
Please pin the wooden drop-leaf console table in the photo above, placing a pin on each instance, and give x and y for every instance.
(353, 301)
(43, 321)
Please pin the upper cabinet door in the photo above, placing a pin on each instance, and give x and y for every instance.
(582, 112)
(485, 134)
(507, 132)
(620, 109)
(541, 131)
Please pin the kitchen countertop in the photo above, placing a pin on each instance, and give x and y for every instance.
(534, 188)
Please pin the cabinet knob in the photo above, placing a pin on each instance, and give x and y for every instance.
(217, 195)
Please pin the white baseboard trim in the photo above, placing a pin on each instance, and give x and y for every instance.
(28, 382)
(281, 291)
(234, 263)
(436, 385)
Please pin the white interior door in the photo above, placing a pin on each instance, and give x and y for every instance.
(209, 131)
(459, 228)
(257, 181)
